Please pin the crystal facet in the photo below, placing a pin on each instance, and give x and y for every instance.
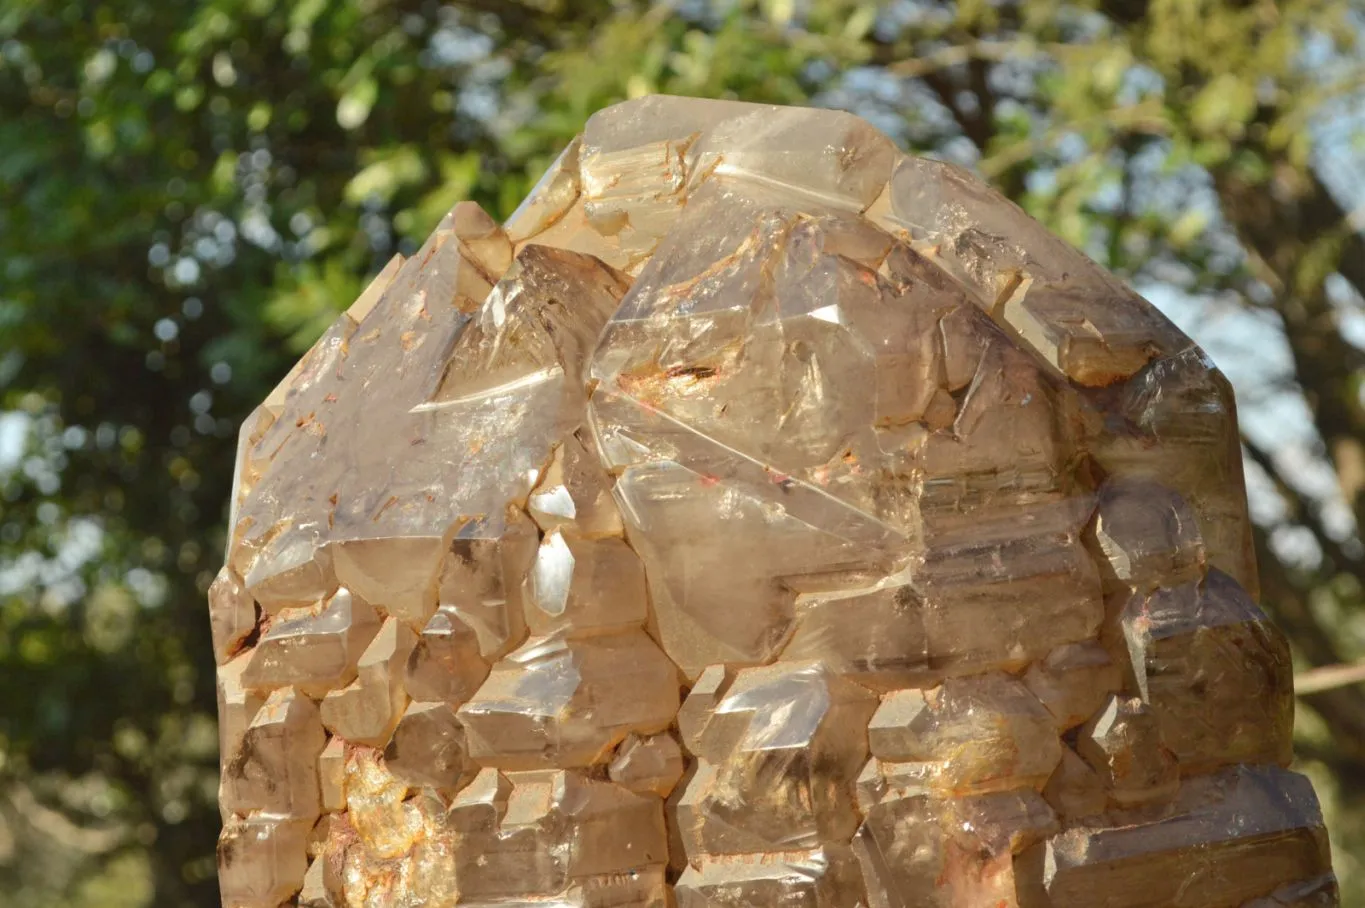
(760, 517)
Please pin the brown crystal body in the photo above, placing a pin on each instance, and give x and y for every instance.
(759, 517)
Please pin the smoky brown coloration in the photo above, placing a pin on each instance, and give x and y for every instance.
(759, 517)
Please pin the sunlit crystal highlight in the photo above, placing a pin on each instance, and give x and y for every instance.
(759, 517)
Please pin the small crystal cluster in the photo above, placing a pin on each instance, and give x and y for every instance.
(759, 517)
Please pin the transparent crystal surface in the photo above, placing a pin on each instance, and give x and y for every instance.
(274, 768)
(968, 736)
(262, 859)
(759, 517)
(232, 614)
(1214, 671)
(777, 762)
(366, 710)
(654, 763)
(237, 706)
(316, 647)
(1259, 826)
(567, 702)
(920, 850)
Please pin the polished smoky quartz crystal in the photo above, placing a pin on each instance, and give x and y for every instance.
(759, 517)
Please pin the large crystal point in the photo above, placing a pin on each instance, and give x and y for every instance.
(760, 517)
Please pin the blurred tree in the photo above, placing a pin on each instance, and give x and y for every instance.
(190, 190)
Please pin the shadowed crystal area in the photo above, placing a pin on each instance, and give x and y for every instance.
(760, 517)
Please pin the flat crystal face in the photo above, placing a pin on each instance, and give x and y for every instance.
(759, 517)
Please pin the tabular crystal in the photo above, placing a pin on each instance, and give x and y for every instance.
(760, 517)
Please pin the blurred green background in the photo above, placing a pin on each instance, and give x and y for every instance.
(190, 191)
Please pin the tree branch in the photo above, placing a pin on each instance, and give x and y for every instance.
(1306, 513)
(1343, 708)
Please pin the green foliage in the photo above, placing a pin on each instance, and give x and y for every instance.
(189, 191)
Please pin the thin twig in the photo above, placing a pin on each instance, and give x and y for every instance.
(1328, 677)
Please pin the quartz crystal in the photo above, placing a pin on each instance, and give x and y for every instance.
(759, 517)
